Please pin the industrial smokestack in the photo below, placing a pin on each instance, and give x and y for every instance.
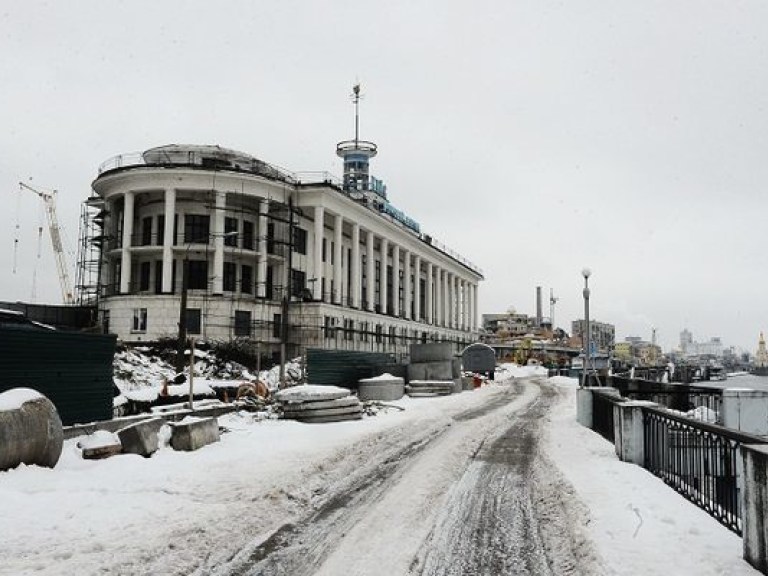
(538, 307)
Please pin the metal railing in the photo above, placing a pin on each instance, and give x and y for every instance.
(602, 414)
(698, 460)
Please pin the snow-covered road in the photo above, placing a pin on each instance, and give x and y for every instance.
(501, 480)
(463, 497)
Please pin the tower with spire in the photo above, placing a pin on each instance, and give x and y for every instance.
(761, 357)
(358, 182)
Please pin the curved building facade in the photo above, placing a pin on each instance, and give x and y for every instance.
(234, 247)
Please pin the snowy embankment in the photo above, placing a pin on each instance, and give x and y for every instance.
(639, 524)
(173, 511)
(176, 512)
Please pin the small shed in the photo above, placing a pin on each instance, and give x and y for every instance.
(479, 357)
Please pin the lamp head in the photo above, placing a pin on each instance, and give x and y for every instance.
(586, 272)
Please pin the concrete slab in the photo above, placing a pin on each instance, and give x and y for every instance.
(320, 404)
(300, 414)
(141, 438)
(194, 433)
(329, 419)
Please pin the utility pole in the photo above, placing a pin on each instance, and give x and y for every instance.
(182, 338)
(287, 294)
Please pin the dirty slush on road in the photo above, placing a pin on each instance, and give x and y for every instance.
(472, 495)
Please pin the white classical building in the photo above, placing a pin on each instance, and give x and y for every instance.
(269, 255)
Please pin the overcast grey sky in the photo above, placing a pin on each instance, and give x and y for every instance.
(533, 137)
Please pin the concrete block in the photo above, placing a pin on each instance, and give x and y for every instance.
(320, 404)
(433, 352)
(380, 389)
(30, 430)
(456, 367)
(194, 433)
(746, 410)
(584, 403)
(754, 504)
(457, 386)
(329, 419)
(101, 452)
(442, 370)
(417, 371)
(141, 438)
(629, 431)
(302, 414)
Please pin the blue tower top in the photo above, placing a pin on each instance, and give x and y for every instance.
(356, 154)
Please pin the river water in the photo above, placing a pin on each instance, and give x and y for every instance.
(740, 381)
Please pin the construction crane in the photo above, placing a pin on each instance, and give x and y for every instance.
(49, 200)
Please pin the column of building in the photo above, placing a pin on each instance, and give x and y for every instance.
(395, 280)
(168, 240)
(417, 288)
(262, 262)
(317, 287)
(125, 254)
(369, 264)
(407, 296)
(355, 266)
(218, 242)
(338, 224)
(383, 253)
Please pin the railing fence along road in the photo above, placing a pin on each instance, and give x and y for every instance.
(698, 460)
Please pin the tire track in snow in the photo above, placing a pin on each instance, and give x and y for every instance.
(300, 548)
(507, 514)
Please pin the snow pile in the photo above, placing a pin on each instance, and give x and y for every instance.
(14, 398)
(564, 380)
(98, 439)
(309, 393)
(516, 371)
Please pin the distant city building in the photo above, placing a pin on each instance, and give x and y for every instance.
(686, 340)
(635, 350)
(689, 347)
(761, 357)
(509, 324)
(601, 333)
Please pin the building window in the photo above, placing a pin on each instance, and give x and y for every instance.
(197, 278)
(247, 235)
(246, 280)
(277, 324)
(242, 323)
(230, 277)
(378, 333)
(300, 240)
(144, 269)
(269, 284)
(333, 253)
(377, 286)
(146, 231)
(364, 331)
(197, 228)
(392, 334)
(270, 237)
(230, 225)
(329, 327)
(325, 247)
(161, 229)
(139, 320)
(349, 328)
(158, 276)
(298, 282)
(193, 320)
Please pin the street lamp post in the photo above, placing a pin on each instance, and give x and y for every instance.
(586, 272)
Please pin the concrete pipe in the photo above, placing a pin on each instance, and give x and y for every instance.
(30, 429)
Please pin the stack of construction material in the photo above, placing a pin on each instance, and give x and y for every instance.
(384, 387)
(316, 404)
(433, 370)
(430, 388)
